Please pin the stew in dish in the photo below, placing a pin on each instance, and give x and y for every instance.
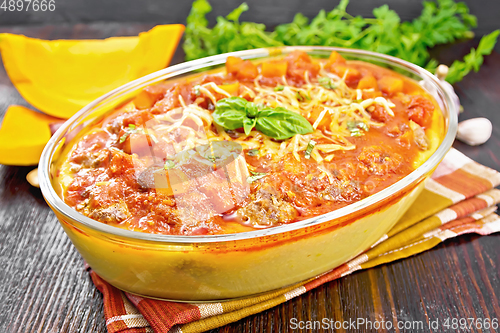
(256, 145)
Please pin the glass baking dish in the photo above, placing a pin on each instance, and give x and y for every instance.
(217, 267)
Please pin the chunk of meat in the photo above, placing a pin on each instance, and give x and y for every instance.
(379, 161)
(266, 208)
(110, 214)
(91, 152)
(419, 136)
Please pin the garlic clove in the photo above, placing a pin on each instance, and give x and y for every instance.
(475, 131)
(32, 178)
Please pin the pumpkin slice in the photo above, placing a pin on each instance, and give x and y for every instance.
(23, 135)
(59, 77)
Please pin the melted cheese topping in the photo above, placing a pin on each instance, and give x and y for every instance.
(341, 104)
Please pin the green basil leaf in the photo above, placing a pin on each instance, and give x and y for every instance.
(229, 119)
(252, 109)
(231, 113)
(248, 124)
(281, 124)
(231, 103)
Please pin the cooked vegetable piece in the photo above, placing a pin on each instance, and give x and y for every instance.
(231, 88)
(274, 68)
(390, 85)
(23, 135)
(368, 82)
(60, 77)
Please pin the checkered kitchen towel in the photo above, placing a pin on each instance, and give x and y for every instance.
(460, 198)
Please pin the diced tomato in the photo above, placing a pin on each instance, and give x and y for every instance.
(137, 118)
(420, 110)
(171, 99)
(351, 75)
(140, 144)
(241, 69)
(378, 113)
(233, 64)
(298, 63)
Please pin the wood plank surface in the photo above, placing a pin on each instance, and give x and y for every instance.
(44, 287)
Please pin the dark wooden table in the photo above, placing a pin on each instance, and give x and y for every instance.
(43, 287)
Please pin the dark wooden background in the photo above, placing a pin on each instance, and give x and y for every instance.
(43, 287)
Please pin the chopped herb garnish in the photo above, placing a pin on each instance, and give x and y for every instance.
(196, 89)
(133, 129)
(356, 132)
(355, 127)
(255, 176)
(309, 149)
(211, 158)
(124, 137)
(169, 164)
(279, 88)
(302, 96)
(327, 83)
(253, 152)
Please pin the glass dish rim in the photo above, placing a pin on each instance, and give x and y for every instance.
(56, 203)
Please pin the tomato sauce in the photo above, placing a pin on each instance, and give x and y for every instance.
(370, 127)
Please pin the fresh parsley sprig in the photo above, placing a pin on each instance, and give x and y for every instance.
(473, 60)
(441, 22)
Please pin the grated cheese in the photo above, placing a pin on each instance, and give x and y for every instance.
(333, 107)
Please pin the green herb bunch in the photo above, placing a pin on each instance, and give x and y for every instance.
(440, 22)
